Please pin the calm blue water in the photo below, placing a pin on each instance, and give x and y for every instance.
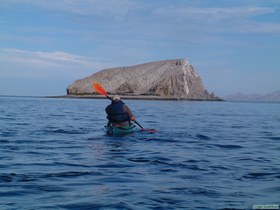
(54, 154)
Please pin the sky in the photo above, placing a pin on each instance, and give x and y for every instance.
(45, 45)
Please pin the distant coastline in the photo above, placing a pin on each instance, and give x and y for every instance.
(239, 97)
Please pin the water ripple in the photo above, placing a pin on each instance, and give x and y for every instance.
(55, 155)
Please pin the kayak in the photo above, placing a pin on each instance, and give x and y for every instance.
(114, 130)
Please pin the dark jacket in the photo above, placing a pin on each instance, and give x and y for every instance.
(118, 112)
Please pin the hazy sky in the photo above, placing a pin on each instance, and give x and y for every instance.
(45, 45)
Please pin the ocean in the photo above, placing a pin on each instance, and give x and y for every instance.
(55, 154)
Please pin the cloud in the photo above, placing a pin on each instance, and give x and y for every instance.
(120, 8)
(40, 59)
(220, 19)
(212, 13)
(129, 21)
(257, 28)
(117, 8)
(17, 63)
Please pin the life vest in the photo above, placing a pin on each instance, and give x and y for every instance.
(116, 113)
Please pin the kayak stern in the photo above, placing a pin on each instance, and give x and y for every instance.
(120, 130)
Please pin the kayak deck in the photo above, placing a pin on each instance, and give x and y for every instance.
(114, 130)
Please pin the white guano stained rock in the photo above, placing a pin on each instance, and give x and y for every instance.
(171, 79)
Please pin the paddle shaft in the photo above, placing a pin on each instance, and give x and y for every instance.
(138, 124)
(109, 97)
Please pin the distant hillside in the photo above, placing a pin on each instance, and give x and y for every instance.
(271, 97)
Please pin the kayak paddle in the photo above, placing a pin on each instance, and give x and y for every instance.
(145, 129)
(98, 88)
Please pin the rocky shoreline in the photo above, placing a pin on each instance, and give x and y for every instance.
(126, 97)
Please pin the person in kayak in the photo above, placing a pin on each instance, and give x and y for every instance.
(118, 113)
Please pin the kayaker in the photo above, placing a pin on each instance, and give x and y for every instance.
(118, 113)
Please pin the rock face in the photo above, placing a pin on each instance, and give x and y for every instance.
(170, 79)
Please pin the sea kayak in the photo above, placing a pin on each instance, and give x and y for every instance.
(117, 130)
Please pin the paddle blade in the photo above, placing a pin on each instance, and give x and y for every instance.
(149, 130)
(145, 129)
(98, 88)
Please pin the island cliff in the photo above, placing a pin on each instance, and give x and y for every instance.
(170, 79)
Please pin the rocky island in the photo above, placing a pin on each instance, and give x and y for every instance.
(169, 79)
